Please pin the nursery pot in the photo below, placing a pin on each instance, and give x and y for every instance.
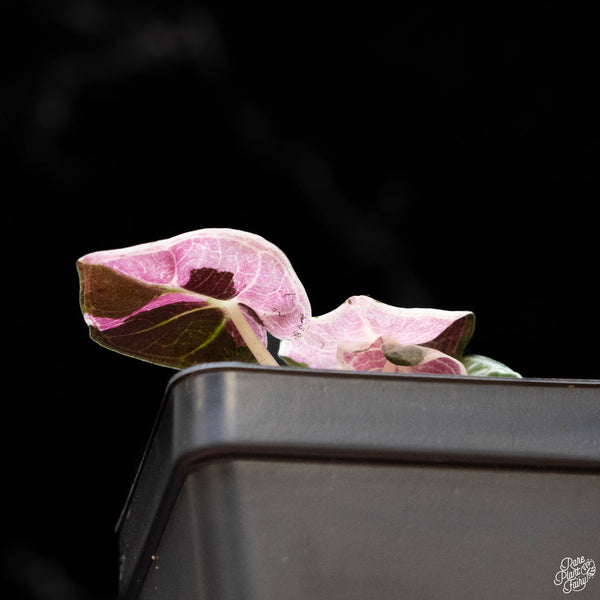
(282, 483)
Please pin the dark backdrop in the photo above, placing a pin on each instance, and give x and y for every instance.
(431, 156)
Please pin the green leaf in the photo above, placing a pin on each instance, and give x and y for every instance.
(290, 362)
(482, 366)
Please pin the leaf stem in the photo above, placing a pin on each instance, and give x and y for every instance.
(262, 355)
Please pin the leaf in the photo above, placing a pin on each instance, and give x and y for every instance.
(207, 295)
(389, 357)
(482, 366)
(356, 325)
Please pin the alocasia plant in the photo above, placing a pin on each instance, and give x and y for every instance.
(365, 335)
(213, 294)
(202, 296)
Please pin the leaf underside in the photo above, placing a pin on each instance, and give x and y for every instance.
(176, 335)
(207, 295)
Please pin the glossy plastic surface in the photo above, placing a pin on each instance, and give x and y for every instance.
(284, 483)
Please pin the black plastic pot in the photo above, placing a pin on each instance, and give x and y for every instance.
(278, 483)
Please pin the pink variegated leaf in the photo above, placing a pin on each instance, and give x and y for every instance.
(363, 334)
(207, 295)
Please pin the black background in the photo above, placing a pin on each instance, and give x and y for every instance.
(426, 156)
